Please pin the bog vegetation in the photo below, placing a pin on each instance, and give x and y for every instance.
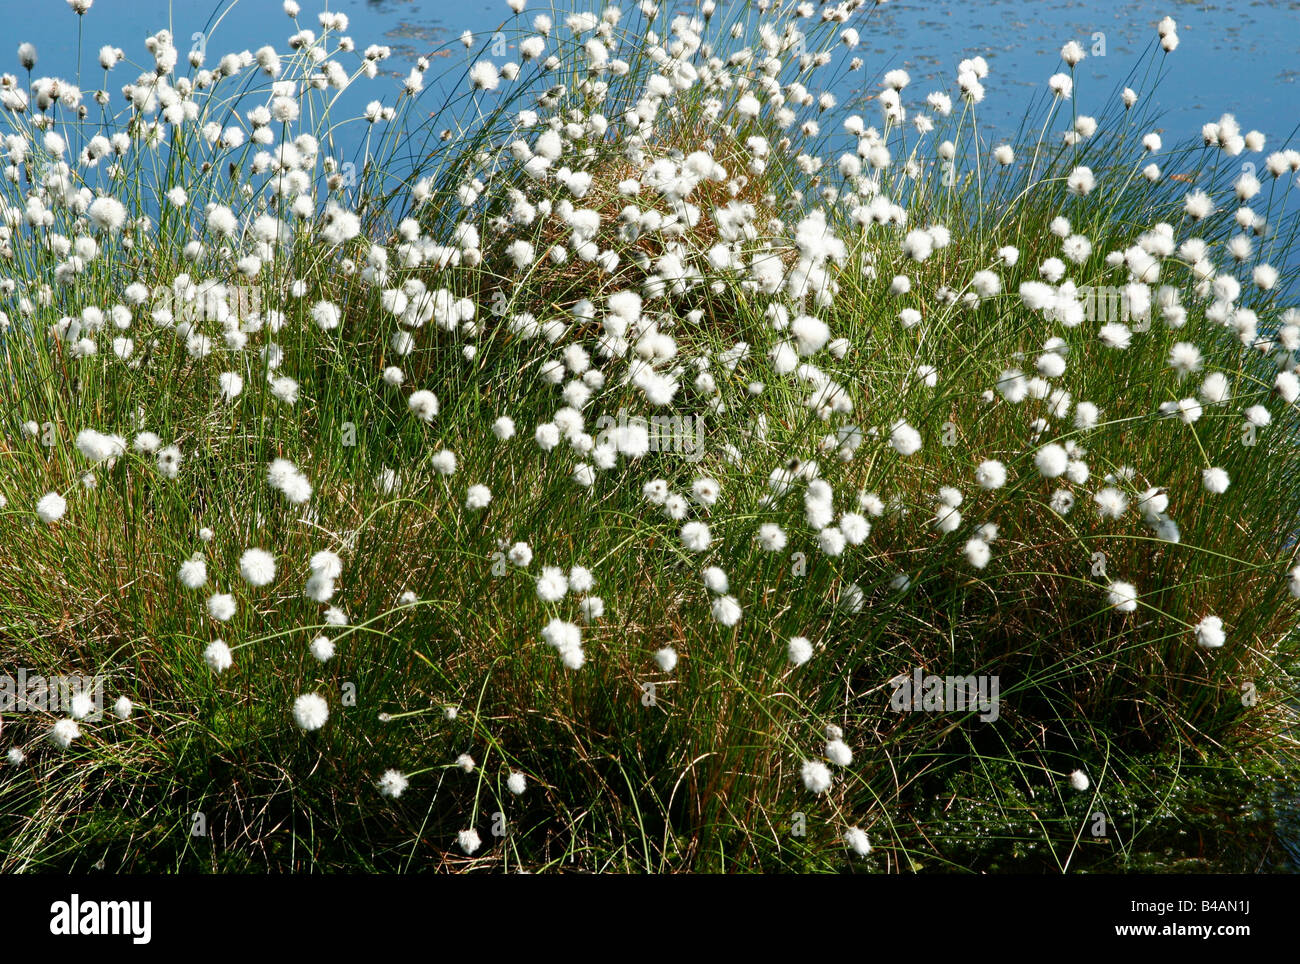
(574, 482)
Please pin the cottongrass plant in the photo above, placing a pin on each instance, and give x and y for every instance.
(566, 476)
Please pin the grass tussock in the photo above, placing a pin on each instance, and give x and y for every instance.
(571, 484)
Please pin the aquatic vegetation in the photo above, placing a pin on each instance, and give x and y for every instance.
(579, 479)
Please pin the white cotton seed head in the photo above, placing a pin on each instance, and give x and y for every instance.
(991, 474)
(423, 404)
(552, 584)
(393, 783)
(469, 841)
(1051, 460)
(326, 564)
(771, 537)
(193, 572)
(904, 438)
(696, 536)
(1209, 633)
(310, 711)
(977, 553)
(257, 566)
(51, 507)
(716, 580)
(857, 841)
(218, 656)
(1215, 480)
(816, 776)
(726, 610)
(221, 606)
(1111, 502)
(666, 659)
(799, 650)
(1122, 596)
(839, 753)
(64, 732)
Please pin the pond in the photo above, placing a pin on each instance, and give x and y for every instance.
(1239, 57)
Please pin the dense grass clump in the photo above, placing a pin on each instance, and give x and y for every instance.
(573, 485)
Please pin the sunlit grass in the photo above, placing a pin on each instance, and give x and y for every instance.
(438, 635)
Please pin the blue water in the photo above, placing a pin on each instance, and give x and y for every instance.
(1234, 56)
(1238, 57)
